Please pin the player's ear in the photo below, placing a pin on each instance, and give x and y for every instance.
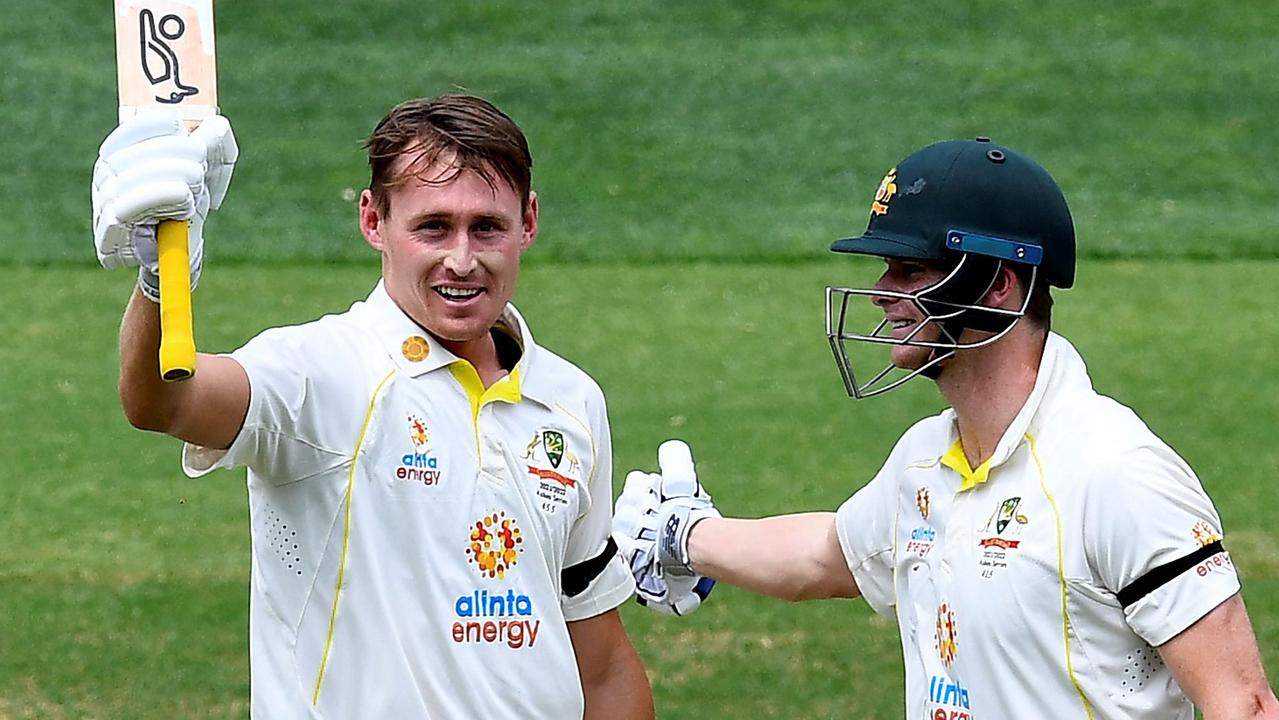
(529, 230)
(1005, 289)
(371, 220)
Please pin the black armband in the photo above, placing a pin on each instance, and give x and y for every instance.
(577, 578)
(1162, 575)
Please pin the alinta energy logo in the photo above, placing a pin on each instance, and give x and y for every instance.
(923, 501)
(494, 545)
(419, 465)
(947, 634)
(484, 617)
(1204, 534)
(947, 700)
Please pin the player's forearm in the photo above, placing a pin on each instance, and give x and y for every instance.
(792, 557)
(143, 394)
(622, 693)
(614, 684)
(208, 409)
(1217, 663)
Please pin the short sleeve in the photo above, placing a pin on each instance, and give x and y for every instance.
(591, 561)
(866, 524)
(1155, 540)
(285, 436)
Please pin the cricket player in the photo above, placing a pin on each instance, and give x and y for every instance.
(1043, 553)
(429, 488)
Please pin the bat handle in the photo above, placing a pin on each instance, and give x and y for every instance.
(177, 341)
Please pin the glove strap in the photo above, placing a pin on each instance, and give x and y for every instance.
(672, 541)
(149, 284)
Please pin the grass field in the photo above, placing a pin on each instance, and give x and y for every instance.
(692, 130)
(125, 584)
(693, 159)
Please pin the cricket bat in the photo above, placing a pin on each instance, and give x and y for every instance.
(164, 56)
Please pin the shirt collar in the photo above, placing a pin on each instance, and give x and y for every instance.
(1060, 369)
(416, 352)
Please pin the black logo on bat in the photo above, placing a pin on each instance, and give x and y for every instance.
(159, 61)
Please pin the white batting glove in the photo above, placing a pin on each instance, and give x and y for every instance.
(149, 169)
(652, 521)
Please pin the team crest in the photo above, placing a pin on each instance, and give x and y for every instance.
(553, 444)
(1007, 511)
(923, 501)
(947, 634)
(887, 189)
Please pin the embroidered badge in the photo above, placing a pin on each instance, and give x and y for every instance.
(887, 189)
(415, 348)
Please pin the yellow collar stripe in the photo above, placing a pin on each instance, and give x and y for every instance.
(506, 390)
(956, 460)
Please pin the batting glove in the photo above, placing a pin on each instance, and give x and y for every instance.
(149, 169)
(652, 521)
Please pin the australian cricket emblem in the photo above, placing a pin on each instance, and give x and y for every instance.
(555, 483)
(887, 189)
(553, 443)
(995, 546)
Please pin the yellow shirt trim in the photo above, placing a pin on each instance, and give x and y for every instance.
(1061, 579)
(956, 460)
(346, 537)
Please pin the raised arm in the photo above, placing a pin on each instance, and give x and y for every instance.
(207, 410)
(148, 169)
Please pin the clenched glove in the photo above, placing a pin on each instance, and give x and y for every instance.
(651, 524)
(149, 169)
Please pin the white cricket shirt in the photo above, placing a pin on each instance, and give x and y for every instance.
(411, 530)
(1038, 584)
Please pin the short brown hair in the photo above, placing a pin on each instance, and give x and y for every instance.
(1039, 309)
(481, 138)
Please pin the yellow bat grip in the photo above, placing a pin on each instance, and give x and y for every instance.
(177, 342)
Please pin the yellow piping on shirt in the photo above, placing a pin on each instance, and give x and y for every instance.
(591, 437)
(346, 538)
(1061, 577)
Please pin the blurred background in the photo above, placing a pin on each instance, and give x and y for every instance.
(694, 161)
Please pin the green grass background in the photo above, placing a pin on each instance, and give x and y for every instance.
(694, 159)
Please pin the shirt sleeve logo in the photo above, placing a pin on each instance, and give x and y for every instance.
(1204, 534)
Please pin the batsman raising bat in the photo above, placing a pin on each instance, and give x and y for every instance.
(1042, 552)
(429, 488)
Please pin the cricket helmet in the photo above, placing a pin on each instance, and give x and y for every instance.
(969, 206)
